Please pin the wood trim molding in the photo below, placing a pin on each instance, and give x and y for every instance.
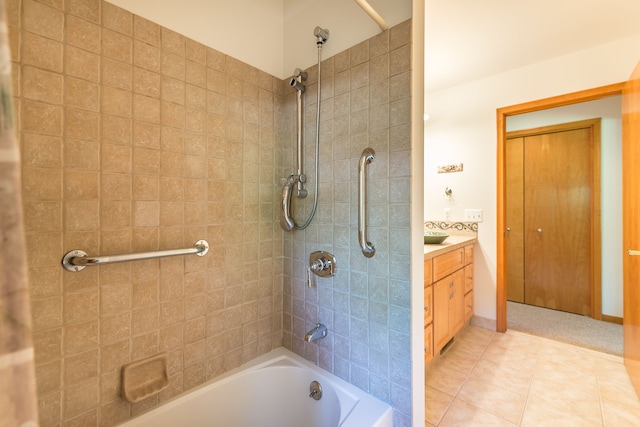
(612, 319)
(501, 120)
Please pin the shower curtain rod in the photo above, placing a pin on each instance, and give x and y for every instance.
(373, 14)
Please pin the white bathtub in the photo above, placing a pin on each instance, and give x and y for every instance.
(271, 391)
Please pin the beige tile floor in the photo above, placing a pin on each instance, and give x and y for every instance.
(514, 379)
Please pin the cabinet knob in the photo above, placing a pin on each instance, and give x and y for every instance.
(426, 309)
(539, 230)
(426, 349)
(469, 306)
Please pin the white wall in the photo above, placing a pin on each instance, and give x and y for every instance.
(345, 20)
(610, 111)
(275, 36)
(249, 30)
(462, 129)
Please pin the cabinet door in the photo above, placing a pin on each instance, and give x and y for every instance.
(428, 304)
(468, 278)
(428, 343)
(457, 302)
(442, 291)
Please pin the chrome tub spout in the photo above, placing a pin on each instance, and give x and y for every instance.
(320, 331)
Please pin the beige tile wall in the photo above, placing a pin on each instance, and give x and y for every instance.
(365, 103)
(135, 138)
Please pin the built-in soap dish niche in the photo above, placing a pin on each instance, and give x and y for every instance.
(144, 378)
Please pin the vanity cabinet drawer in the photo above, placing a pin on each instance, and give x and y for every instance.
(445, 264)
(428, 343)
(468, 306)
(468, 278)
(468, 254)
(428, 305)
(428, 276)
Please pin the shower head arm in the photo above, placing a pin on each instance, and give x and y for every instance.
(321, 34)
(301, 75)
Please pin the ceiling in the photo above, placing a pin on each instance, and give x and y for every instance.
(467, 40)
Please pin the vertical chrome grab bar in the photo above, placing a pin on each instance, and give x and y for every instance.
(367, 248)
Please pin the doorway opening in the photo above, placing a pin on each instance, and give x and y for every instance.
(552, 202)
(503, 115)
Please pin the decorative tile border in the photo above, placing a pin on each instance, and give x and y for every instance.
(454, 227)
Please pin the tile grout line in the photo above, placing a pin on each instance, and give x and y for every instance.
(486, 346)
(600, 403)
(526, 402)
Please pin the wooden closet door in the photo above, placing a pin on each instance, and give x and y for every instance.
(557, 220)
(514, 237)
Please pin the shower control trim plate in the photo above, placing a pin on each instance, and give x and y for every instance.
(321, 263)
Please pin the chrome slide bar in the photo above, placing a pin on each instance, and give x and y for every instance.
(77, 260)
(367, 248)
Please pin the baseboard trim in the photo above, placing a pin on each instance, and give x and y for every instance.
(612, 319)
(483, 322)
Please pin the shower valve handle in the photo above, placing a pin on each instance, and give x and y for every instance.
(317, 266)
(321, 263)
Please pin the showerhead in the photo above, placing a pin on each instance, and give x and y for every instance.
(297, 85)
(321, 34)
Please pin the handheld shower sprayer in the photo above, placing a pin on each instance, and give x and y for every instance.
(286, 221)
(299, 178)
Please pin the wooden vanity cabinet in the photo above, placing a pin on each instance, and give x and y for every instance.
(448, 285)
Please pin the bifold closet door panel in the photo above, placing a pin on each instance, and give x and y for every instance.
(514, 234)
(557, 220)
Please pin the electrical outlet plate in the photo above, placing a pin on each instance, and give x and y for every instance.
(473, 215)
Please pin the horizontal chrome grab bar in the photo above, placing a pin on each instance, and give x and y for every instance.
(367, 157)
(77, 260)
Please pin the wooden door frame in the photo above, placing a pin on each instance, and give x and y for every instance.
(501, 120)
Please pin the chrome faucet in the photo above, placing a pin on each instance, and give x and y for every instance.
(320, 331)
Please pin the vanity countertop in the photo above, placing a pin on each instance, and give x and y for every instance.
(452, 242)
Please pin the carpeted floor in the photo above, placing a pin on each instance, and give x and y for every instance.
(566, 327)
